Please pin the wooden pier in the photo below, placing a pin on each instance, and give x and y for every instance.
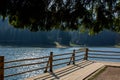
(80, 71)
(78, 66)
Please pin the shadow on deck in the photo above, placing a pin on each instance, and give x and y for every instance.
(62, 72)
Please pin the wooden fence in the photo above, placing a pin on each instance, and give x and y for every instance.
(109, 55)
(76, 55)
(1, 67)
(49, 63)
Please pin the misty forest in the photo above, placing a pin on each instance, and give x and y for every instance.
(10, 36)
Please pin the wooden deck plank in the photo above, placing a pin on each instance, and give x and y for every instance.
(78, 71)
(83, 73)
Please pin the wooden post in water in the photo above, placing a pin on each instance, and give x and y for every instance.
(51, 61)
(73, 56)
(1, 67)
(86, 54)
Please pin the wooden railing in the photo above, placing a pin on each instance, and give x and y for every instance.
(70, 57)
(99, 54)
(1, 67)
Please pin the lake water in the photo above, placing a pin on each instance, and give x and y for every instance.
(15, 53)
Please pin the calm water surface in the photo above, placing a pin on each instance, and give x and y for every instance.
(15, 53)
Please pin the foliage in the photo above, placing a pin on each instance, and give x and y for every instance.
(35, 15)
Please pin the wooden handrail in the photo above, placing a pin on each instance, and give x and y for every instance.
(49, 62)
(26, 65)
(104, 57)
(103, 51)
(26, 59)
(105, 54)
(50, 65)
(61, 54)
(1, 67)
(24, 72)
(61, 59)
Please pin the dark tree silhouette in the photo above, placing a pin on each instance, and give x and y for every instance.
(93, 15)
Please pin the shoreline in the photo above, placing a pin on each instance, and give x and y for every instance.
(56, 46)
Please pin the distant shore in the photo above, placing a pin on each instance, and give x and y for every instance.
(55, 46)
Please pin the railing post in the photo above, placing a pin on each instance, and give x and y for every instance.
(1, 67)
(73, 56)
(51, 61)
(86, 54)
(49, 64)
